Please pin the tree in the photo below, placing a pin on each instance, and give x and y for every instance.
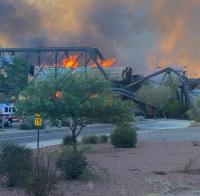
(172, 82)
(155, 95)
(175, 109)
(76, 99)
(14, 77)
(194, 112)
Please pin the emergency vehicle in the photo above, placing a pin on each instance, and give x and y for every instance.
(7, 114)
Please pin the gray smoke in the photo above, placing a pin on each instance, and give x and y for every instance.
(20, 23)
(130, 30)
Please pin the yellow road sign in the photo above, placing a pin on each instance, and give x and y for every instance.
(38, 122)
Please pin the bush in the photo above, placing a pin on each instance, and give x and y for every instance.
(28, 124)
(42, 179)
(68, 140)
(90, 139)
(175, 109)
(103, 139)
(72, 164)
(93, 139)
(15, 163)
(124, 137)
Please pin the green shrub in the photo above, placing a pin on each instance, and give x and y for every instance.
(68, 140)
(42, 179)
(175, 109)
(124, 137)
(72, 164)
(28, 124)
(15, 163)
(103, 139)
(90, 139)
(24, 126)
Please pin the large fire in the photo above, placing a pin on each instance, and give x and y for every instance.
(105, 62)
(70, 62)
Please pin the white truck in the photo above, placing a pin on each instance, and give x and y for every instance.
(7, 114)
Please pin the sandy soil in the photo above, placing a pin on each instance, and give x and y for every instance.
(152, 167)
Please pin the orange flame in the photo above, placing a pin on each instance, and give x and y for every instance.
(70, 62)
(58, 95)
(105, 63)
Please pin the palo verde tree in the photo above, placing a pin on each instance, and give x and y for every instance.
(76, 99)
(155, 95)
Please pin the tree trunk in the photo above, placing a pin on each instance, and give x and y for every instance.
(73, 129)
(74, 144)
(75, 134)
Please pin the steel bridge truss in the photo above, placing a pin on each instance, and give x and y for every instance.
(182, 88)
(53, 57)
(44, 57)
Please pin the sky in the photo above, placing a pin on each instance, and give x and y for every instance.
(143, 34)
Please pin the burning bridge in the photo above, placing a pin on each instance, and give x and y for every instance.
(73, 57)
(57, 57)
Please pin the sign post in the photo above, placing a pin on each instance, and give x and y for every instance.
(38, 124)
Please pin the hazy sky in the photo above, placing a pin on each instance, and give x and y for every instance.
(139, 33)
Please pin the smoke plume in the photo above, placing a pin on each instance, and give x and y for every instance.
(139, 33)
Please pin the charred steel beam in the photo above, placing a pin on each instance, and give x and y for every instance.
(42, 66)
(93, 52)
(166, 70)
(79, 56)
(100, 68)
(39, 59)
(130, 94)
(143, 105)
(185, 86)
(163, 79)
(183, 80)
(51, 49)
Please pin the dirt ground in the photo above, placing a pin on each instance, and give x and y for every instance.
(153, 168)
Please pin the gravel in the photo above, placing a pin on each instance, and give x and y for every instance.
(153, 168)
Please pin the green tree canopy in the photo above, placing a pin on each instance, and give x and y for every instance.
(14, 77)
(81, 100)
(155, 95)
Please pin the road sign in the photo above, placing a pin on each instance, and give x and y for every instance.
(38, 124)
(38, 120)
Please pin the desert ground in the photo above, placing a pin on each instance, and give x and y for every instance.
(153, 168)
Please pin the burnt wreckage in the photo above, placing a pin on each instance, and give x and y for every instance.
(186, 90)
